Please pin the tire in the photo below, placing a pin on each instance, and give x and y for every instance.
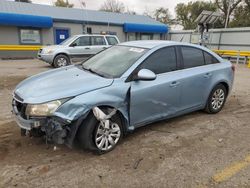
(61, 61)
(91, 131)
(52, 64)
(216, 99)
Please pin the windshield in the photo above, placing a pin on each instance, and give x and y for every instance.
(114, 61)
(68, 41)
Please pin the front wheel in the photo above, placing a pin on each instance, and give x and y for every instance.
(217, 99)
(94, 135)
(61, 61)
(107, 138)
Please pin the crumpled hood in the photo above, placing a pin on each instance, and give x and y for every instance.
(59, 83)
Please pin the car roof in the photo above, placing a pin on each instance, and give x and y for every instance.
(155, 43)
(95, 35)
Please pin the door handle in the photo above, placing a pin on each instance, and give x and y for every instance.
(87, 48)
(174, 84)
(208, 75)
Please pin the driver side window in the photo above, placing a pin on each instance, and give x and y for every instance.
(161, 61)
(82, 41)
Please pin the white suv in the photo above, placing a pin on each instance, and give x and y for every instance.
(76, 48)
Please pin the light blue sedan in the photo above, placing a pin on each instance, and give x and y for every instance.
(122, 88)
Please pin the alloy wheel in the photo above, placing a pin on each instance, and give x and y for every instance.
(107, 138)
(218, 99)
(61, 62)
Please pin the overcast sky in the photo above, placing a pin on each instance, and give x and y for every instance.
(138, 6)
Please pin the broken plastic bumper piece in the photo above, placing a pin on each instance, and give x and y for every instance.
(17, 112)
(26, 124)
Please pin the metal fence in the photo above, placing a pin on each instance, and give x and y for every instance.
(231, 43)
(218, 39)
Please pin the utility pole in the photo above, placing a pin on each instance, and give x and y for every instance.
(228, 10)
(83, 6)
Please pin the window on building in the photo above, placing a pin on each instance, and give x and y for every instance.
(209, 59)
(82, 41)
(146, 37)
(89, 30)
(161, 61)
(30, 36)
(111, 32)
(192, 57)
(98, 40)
(111, 40)
(131, 36)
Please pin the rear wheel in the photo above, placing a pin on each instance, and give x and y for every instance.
(94, 135)
(217, 99)
(61, 61)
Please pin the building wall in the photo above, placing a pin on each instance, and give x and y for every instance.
(75, 28)
(47, 36)
(104, 28)
(156, 37)
(9, 35)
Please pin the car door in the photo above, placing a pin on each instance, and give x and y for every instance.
(81, 47)
(195, 78)
(159, 98)
(98, 44)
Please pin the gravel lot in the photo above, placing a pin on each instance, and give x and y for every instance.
(195, 150)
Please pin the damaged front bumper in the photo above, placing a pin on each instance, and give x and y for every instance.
(18, 110)
(26, 124)
(55, 129)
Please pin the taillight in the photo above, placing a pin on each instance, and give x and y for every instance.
(233, 68)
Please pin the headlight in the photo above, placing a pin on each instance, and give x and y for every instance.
(45, 109)
(47, 51)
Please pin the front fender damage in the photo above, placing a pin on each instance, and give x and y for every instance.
(63, 127)
(60, 131)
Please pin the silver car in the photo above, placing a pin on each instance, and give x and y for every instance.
(76, 48)
(120, 89)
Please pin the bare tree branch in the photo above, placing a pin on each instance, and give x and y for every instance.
(113, 6)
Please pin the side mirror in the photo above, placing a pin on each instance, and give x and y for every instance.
(145, 74)
(73, 45)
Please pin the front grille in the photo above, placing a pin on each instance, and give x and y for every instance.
(21, 108)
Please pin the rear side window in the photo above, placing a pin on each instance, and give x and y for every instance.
(161, 61)
(192, 57)
(98, 40)
(209, 59)
(112, 40)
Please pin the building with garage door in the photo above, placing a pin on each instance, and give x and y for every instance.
(33, 24)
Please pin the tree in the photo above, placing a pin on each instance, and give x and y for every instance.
(148, 13)
(163, 15)
(62, 3)
(187, 13)
(128, 11)
(241, 15)
(113, 6)
(24, 1)
(223, 5)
